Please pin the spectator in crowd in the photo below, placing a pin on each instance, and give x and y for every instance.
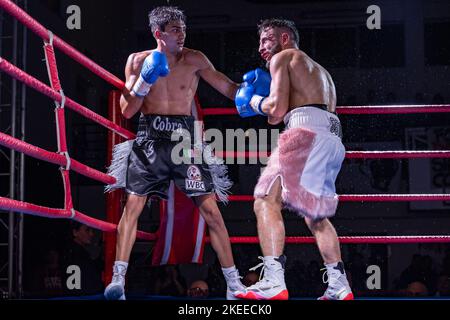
(416, 289)
(421, 270)
(77, 254)
(198, 290)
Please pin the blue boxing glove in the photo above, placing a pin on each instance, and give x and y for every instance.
(155, 65)
(252, 92)
(260, 79)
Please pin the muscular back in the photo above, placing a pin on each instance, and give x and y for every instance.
(173, 94)
(309, 82)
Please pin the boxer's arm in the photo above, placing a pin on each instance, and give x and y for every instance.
(215, 78)
(276, 104)
(129, 103)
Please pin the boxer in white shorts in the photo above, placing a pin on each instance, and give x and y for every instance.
(302, 170)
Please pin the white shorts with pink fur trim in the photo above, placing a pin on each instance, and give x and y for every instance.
(308, 159)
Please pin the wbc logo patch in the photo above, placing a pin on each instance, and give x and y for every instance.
(194, 179)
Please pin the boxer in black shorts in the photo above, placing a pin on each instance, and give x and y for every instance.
(150, 164)
(161, 84)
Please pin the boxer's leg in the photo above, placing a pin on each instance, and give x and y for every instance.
(270, 222)
(271, 234)
(326, 239)
(328, 244)
(220, 241)
(144, 177)
(126, 236)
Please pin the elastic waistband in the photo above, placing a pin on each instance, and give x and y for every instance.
(162, 126)
(314, 118)
(323, 107)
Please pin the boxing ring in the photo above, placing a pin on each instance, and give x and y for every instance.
(118, 134)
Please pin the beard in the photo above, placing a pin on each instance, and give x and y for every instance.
(275, 49)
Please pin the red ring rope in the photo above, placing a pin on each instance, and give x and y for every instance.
(398, 154)
(370, 197)
(400, 109)
(355, 240)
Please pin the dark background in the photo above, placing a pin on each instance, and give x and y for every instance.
(406, 62)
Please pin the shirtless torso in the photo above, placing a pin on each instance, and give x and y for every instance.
(173, 94)
(309, 82)
(297, 80)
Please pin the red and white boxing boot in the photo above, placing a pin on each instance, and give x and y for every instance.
(272, 285)
(338, 286)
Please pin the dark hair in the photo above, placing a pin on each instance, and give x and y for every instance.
(161, 16)
(279, 23)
